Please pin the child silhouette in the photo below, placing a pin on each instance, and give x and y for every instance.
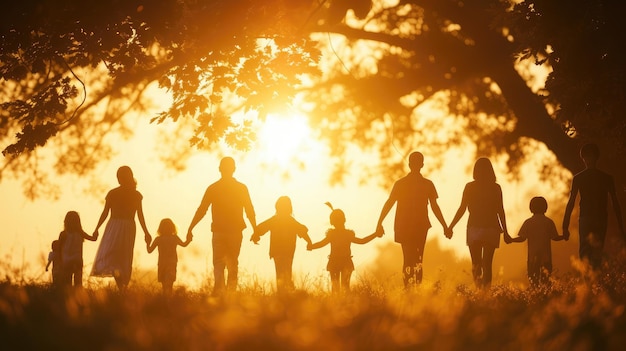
(55, 260)
(284, 230)
(167, 240)
(71, 240)
(539, 230)
(340, 263)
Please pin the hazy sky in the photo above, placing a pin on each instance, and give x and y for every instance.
(31, 226)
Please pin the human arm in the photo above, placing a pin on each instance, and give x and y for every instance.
(153, 245)
(437, 212)
(250, 214)
(569, 208)
(366, 239)
(554, 234)
(304, 234)
(318, 244)
(459, 213)
(89, 237)
(200, 212)
(260, 230)
(184, 243)
(502, 217)
(617, 210)
(103, 217)
(142, 223)
(522, 234)
(384, 211)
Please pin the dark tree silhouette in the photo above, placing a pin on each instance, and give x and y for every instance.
(72, 71)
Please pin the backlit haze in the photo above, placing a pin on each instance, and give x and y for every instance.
(285, 161)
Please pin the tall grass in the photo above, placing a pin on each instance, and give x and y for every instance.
(583, 311)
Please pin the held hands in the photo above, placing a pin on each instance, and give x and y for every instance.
(566, 234)
(309, 246)
(255, 238)
(379, 231)
(447, 231)
(507, 238)
(95, 234)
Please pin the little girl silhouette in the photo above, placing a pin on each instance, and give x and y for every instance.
(167, 241)
(340, 263)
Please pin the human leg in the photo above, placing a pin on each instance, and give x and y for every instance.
(345, 280)
(168, 287)
(410, 262)
(77, 274)
(488, 252)
(533, 272)
(476, 254)
(283, 265)
(591, 236)
(219, 262)
(232, 259)
(334, 281)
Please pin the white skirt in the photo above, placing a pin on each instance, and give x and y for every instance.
(114, 257)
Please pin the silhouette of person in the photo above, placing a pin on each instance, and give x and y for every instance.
(340, 265)
(228, 199)
(167, 241)
(594, 187)
(71, 240)
(482, 198)
(284, 230)
(412, 193)
(539, 230)
(55, 258)
(114, 257)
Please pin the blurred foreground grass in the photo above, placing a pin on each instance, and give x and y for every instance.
(580, 312)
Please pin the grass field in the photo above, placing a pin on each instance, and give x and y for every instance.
(579, 312)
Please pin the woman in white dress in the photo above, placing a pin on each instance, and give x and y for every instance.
(114, 257)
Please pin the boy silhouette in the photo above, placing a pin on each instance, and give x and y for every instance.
(539, 230)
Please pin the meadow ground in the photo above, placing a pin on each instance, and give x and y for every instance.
(579, 312)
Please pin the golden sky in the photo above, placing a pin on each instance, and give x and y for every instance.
(31, 226)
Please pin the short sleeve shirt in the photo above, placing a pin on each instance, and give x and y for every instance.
(594, 187)
(124, 202)
(412, 194)
(539, 230)
(228, 198)
(284, 231)
(166, 245)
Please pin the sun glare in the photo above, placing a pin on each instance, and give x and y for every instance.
(285, 139)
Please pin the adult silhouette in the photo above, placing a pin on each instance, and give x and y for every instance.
(482, 198)
(594, 187)
(412, 193)
(114, 257)
(228, 198)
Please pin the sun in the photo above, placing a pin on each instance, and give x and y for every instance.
(284, 139)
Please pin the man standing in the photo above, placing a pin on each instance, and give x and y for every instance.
(412, 193)
(595, 187)
(228, 199)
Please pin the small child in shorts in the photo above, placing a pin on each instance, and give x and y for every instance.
(539, 230)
